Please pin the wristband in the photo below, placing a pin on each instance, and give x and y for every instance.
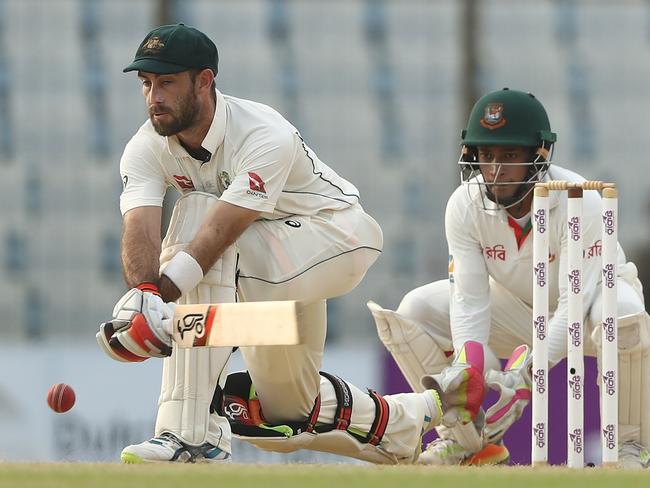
(184, 271)
(148, 286)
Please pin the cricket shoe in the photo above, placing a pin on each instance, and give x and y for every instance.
(169, 448)
(632, 455)
(448, 452)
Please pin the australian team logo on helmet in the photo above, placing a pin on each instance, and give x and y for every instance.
(507, 118)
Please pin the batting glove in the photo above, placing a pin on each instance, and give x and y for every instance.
(140, 328)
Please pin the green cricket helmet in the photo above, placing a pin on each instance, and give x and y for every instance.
(507, 118)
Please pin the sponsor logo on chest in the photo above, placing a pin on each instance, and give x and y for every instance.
(595, 250)
(184, 182)
(495, 253)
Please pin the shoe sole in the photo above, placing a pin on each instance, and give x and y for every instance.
(129, 458)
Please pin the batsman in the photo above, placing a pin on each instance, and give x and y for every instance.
(261, 218)
(506, 148)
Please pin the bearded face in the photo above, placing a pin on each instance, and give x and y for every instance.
(172, 101)
(169, 120)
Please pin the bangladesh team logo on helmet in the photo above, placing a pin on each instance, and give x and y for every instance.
(507, 118)
(493, 117)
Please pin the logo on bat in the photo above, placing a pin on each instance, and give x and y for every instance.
(191, 321)
(235, 409)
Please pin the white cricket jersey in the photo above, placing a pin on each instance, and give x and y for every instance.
(484, 244)
(259, 161)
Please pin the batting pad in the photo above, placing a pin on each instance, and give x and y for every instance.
(190, 376)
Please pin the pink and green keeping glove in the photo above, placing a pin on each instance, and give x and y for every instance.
(461, 386)
(514, 387)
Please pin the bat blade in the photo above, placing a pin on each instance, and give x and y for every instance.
(237, 324)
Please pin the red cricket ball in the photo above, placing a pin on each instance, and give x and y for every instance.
(61, 397)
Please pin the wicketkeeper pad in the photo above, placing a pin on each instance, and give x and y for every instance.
(415, 352)
(633, 376)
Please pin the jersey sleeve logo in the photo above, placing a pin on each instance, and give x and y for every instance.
(255, 182)
(450, 268)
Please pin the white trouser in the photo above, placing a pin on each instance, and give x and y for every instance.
(511, 324)
(301, 258)
(313, 258)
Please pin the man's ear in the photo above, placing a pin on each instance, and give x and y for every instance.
(205, 80)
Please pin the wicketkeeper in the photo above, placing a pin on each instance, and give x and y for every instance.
(260, 216)
(506, 149)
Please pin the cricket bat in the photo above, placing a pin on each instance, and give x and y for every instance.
(239, 324)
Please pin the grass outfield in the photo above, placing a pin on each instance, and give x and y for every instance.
(73, 475)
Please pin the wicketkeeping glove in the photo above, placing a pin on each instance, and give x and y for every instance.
(140, 328)
(461, 385)
(514, 386)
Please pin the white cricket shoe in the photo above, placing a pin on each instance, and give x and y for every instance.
(448, 452)
(632, 455)
(168, 448)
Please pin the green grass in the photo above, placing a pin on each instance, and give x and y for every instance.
(73, 475)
